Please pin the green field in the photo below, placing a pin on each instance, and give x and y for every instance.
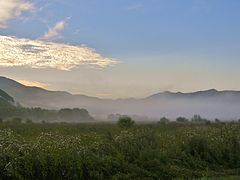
(107, 151)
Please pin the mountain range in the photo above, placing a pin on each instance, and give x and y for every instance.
(209, 103)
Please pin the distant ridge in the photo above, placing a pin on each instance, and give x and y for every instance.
(209, 103)
(205, 93)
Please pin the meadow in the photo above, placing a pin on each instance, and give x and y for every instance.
(108, 151)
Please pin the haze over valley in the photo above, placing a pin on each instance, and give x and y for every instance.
(209, 103)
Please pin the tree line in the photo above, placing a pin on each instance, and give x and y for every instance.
(16, 114)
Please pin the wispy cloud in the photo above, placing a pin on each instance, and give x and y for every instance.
(41, 54)
(12, 9)
(135, 7)
(53, 32)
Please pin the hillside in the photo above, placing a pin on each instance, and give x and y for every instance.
(5, 99)
(8, 109)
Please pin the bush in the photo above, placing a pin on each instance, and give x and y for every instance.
(164, 120)
(125, 122)
(182, 120)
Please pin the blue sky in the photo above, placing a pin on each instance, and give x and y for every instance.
(158, 44)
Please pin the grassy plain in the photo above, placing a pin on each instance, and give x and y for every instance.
(106, 151)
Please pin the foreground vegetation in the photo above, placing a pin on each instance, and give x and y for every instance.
(116, 151)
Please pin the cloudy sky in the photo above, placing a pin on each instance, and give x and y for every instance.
(118, 49)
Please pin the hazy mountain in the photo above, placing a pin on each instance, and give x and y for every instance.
(210, 103)
(38, 97)
(211, 93)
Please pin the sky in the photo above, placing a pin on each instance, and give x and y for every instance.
(123, 48)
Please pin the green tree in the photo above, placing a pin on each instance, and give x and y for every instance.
(164, 120)
(198, 119)
(182, 120)
(74, 115)
(125, 122)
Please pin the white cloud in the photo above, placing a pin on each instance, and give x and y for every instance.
(40, 54)
(53, 32)
(11, 9)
